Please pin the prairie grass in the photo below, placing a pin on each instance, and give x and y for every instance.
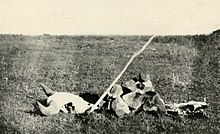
(90, 64)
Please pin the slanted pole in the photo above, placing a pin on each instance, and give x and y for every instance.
(118, 77)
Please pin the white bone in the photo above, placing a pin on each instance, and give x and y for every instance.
(58, 100)
(120, 107)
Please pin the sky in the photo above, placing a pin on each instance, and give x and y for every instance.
(109, 17)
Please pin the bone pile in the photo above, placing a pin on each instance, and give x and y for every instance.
(139, 94)
(131, 97)
(191, 109)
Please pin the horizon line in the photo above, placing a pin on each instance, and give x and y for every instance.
(50, 34)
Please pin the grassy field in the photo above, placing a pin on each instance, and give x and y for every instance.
(90, 64)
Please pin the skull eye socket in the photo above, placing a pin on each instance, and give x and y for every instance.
(69, 104)
(140, 86)
(70, 107)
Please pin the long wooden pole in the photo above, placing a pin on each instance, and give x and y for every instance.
(118, 77)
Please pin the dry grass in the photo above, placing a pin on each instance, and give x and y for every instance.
(90, 63)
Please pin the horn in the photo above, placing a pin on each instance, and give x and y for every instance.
(47, 90)
(51, 109)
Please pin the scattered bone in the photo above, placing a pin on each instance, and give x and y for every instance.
(187, 109)
(153, 99)
(148, 82)
(120, 107)
(131, 84)
(133, 99)
(115, 91)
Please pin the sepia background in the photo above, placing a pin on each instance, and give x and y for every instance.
(124, 17)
